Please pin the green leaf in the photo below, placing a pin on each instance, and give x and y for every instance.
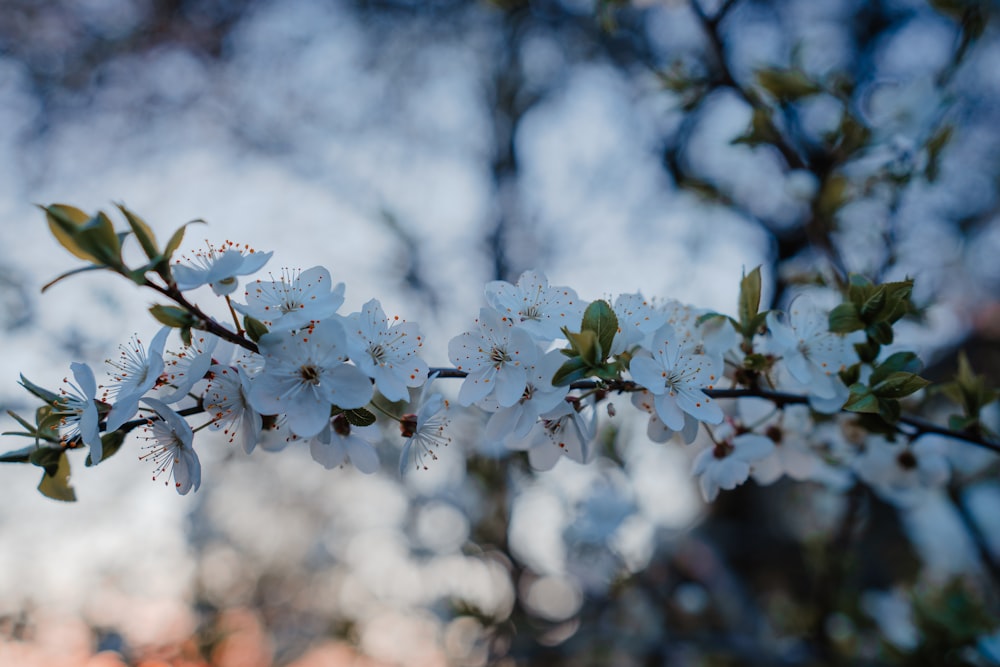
(935, 145)
(760, 131)
(844, 319)
(254, 328)
(906, 362)
(64, 223)
(46, 457)
(56, 485)
(833, 195)
(749, 303)
(22, 455)
(898, 385)
(175, 241)
(82, 269)
(861, 400)
(172, 316)
(960, 423)
(880, 332)
(873, 305)
(44, 394)
(111, 442)
(359, 417)
(601, 319)
(97, 237)
(571, 371)
(889, 410)
(586, 345)
(142, 231)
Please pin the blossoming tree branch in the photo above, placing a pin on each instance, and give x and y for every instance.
(809, 393)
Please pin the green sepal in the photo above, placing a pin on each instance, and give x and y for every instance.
(48, 419)
(571, 371)
(759, 363)
(844, 319)
(254, 328)
(56, 484)
(359, 417)
(861, 400)
(142, 231)
(172, 316)
(899, 385)
(601, 319)
(111, 442)
(851, 374)
(44, 394)
(185, 334)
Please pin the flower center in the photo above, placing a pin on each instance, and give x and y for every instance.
(377, 352)
(907, 460)
(499, 356)
(309, 374)
(532, 312)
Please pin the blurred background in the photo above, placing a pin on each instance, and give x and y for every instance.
(419, 150)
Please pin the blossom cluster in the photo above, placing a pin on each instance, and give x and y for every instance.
(538, 362)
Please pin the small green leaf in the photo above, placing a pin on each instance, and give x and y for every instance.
(960, 423)
(46, 457)
(82, 269)
(749, 299)
(586, 345)
(64, 223)
(254, 328)
(844, 318)
(22, 455)
(880, 332)
(142, 231)
(172, 316)
(571, 371)
(359, 417)
(760, 131)
(111, 442)
(889, 410)
(56, 484)
(873, 305)
(44, 394)
(861, 400)
(833, 195)
(175, 241)
(898, 385)
(601, 319)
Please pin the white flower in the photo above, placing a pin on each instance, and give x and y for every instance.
(387, 353)
(541, 310)
(219, 267)
(539, 397)
(172, 450)
(184, 369)
(496, 356)
(339, 442)
(714, 337)
(226, 401)
(676, 374)
(425, 431)
(637, 320)
(900, 472)
(789, 429)
(304, 375)
(727, 464)
(811, 353)
(135, 372)
(78, 411)
(563, 431)
(656, 430)
(294, 301)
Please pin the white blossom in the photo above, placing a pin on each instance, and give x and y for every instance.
(304, 375)
(496, 356)
(425, 431)
(219, 267)
(386, 352)
(134, 373)
(172, 448)
(78, 411)
(675, 373)
(227, 401)
(293, 301)
(727, 464)
(539, 397)
(182, 370)
(539, 309)
(340, 442)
